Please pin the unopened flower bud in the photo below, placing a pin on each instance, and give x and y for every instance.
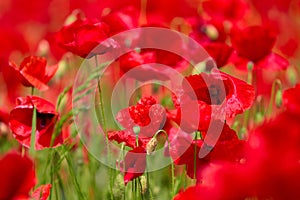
(278, 98)
(150, 148)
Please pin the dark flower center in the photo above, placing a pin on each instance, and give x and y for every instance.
(43, 120)
(215, 95)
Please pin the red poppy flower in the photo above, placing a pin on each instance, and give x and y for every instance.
(17, 176)
(33, 72)
(291, 99)
(191, 193)
(149, 64)
(255, 44)
(20, 122)
(42, 192)
(220, 52)
(165, 11)
(135, 164)
(128, 137)
(83, 36)
(232, 10)
(220, 88)
(134, 59)
(265, 7)
(4, 116)
(185, 151)
(122, 19)
(217, 95)
(271, 167)
(146, 114)
(205, 31)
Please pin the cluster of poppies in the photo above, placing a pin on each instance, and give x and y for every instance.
(231, 125)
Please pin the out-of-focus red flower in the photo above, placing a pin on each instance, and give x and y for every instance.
(255, 44)
(290, 47)
(20, 12)
(151, 64)
(291, 99)
(122, 19)
(220, 52)
(135, 164)
(204, 31)
(227, 148)
(4, 116)
(270, 169)
(232, 10)
(160, 12)
(10, 40)
(134, 59)
(265, 7)
(33, 72)
(217, 95)
(84, 36)
(42, 192)
(191, 193)
(20, 122)
(17, 176)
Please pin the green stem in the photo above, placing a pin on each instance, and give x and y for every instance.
(61, 96)
(61, 186)
(103, 123)
(32, 91)
(250, 66)
(33, 131)
(73, 176)
(172, 163)
(276, 83)
(195, 155)
(141, 188)
(148, 186)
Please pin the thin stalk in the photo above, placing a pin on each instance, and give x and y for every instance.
(33, 131)
(276, 83)
(61, 96)
(172, 163)
(103, 123)
(141, 188)
(73, 176)
(148, 186)
(195, 155)
(251, 80)
(61, 187)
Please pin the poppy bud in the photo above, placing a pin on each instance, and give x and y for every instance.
(278, 98)
(151, 145)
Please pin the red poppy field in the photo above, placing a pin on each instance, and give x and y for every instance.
(144, 99)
